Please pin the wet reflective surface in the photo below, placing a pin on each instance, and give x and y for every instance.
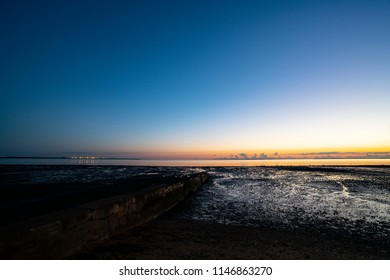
(199, 163)
(345, 200)
(342, 200)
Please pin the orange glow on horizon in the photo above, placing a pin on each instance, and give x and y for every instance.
(199, 153)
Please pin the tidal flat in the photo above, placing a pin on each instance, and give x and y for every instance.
(269, 213)
(254, 212)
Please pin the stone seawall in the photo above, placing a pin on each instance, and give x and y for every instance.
(59, 234)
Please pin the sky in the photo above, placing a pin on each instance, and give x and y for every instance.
(194, 79)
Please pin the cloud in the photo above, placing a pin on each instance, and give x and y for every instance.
(321, 153)
(244, 156)
(263, 156)
(313, 155)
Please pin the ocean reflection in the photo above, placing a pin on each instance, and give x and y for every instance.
(82, 162)
(132, 162)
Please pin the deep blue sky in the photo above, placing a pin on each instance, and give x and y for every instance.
(152, 78)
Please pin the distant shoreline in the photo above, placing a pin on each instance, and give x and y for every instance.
(75, 157)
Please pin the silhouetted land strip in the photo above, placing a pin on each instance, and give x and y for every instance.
(335, 169)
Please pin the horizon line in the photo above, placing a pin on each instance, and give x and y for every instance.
(242, 156)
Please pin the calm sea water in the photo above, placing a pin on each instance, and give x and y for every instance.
(276, 162)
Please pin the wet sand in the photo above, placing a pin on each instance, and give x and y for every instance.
(169, 237)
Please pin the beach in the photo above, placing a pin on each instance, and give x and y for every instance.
(326, 217)
(169, 238)
(255, 212)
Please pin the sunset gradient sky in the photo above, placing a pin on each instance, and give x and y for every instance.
(194, 79)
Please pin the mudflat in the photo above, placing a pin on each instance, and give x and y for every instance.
(319, 202)
(170, 237)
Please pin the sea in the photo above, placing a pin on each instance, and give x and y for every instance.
(348, 197)
(199, 162)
